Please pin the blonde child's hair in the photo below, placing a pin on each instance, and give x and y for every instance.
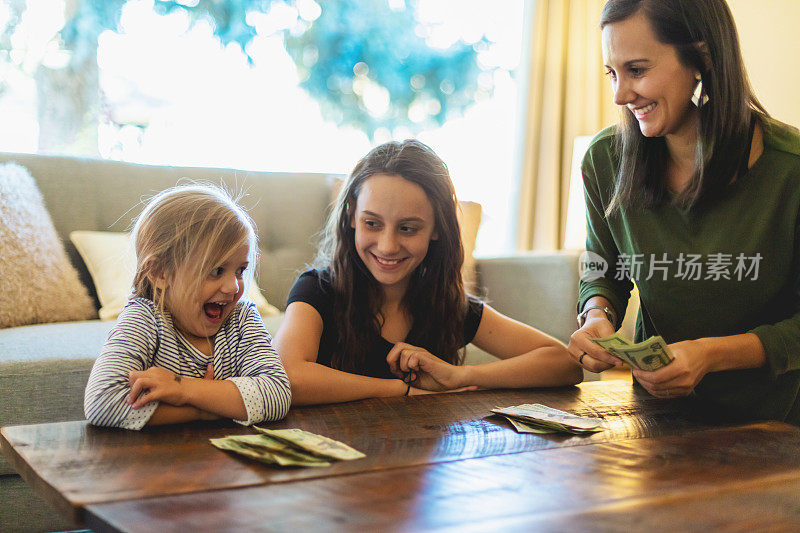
(194, 226)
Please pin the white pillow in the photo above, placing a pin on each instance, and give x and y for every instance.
(111, 261)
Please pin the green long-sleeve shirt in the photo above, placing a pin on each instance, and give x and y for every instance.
(732, 267)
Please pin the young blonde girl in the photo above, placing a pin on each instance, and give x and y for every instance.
(184, 347)
(387, 313)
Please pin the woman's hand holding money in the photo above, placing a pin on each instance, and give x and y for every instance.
(681, 376)
(588, 354)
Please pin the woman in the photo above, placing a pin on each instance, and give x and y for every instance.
(696, 197)
(387, 314)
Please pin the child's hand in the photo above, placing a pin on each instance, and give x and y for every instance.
(158, 384)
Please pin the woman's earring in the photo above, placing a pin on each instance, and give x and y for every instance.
(699, 98)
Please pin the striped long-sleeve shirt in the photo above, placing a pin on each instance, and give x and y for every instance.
(144, 337)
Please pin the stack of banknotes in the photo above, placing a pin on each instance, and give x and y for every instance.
(651, 354)
(538, 418)
(288, 447)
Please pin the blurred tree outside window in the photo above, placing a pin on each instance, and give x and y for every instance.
(278, 85)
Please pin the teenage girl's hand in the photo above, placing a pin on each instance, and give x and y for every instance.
(588, 354)
(158, 384)
(425, 371)
(681, 376)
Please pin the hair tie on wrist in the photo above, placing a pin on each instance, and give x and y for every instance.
(408, 389)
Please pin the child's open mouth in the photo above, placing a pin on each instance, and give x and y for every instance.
(213, 310)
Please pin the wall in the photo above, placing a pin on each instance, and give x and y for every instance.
(769, 32)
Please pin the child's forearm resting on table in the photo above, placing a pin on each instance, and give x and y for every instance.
(217, 397)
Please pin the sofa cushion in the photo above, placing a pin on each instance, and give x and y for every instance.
(469, 220)
(38, 283)
(52, 342)
(111, 261)
(43, 372)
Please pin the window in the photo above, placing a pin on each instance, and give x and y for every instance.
(259, 84)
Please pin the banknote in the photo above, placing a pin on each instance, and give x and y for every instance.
(313, 443)
(283, 453)
(544, 417)
(234, 444)
(525, 427)
(288, 447)
(651, 354)
(615, 345)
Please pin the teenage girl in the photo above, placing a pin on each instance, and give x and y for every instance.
(184, 347)
(387, 313)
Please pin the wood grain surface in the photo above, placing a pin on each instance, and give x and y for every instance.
(73, 464)
(736, 478)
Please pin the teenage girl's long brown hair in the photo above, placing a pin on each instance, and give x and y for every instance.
(436, 298)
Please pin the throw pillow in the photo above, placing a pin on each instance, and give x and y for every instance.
(469, 218)
(111, 261)
(38, 283)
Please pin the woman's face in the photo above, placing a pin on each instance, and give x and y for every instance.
(648, 78)
(394, 225)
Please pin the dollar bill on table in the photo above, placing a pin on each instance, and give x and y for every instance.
(266, 450)
(313, 443)
(288, 447)
(541, 417)
(523, 427)
(649, 355)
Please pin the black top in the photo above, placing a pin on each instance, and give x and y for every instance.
(314, 288)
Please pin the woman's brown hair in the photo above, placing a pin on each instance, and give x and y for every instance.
(705, 38)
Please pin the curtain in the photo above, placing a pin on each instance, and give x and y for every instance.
(567, 95)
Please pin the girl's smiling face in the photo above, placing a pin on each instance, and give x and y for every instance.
(648, 78)
(199, 313)
(394, 225)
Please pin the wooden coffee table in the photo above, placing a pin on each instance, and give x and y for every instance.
(433, 462)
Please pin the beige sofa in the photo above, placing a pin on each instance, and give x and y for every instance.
(44, 367)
